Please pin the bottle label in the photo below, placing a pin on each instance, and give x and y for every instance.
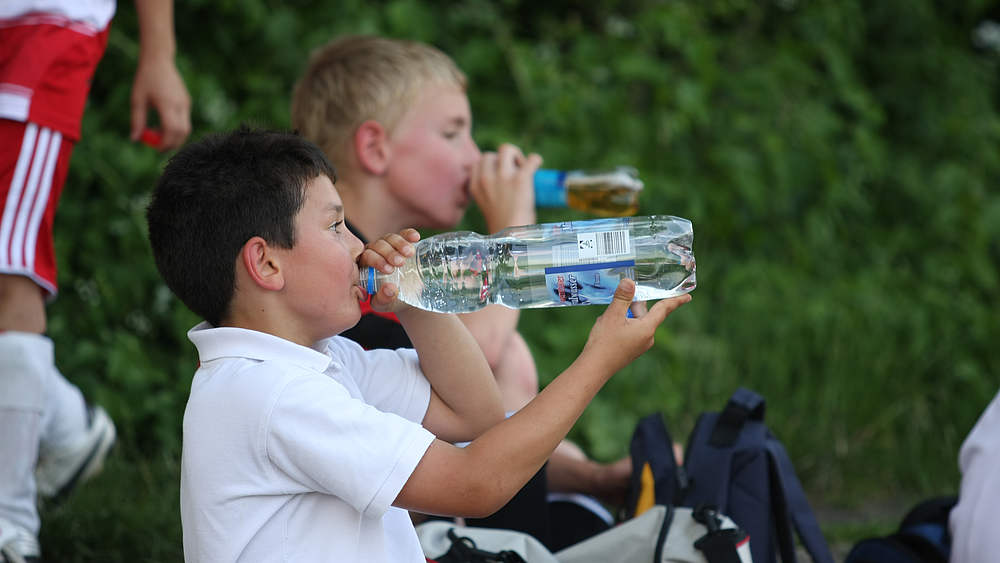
(601, 245)
(589, 270)
(585, 284)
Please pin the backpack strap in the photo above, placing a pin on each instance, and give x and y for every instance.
(784, 537)
(743, 405)
(464, 550)
(794, 501)
(719, 544)
(661, 538)
(656, 478)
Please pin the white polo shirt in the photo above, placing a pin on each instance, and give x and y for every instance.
(975, 520)
(294, 454)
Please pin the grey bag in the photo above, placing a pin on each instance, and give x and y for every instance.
(438, 544)
(665, 534)
(662, 534)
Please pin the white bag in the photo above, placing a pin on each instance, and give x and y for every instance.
(662, 534)
(435, 542)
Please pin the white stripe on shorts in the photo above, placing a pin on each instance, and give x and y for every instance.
(28, 197)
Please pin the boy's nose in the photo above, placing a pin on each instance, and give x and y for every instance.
(357, 247)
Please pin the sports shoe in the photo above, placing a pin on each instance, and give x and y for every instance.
(17, 545)
(60, 469)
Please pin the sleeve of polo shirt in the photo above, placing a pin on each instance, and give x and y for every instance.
(390, 380)
(320, 436)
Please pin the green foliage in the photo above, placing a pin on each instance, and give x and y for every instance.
(129, 515)
(835, 158)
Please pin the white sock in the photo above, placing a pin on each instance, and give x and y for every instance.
(64, 419)
(25, 362)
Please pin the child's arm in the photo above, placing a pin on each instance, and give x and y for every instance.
(503, 187)
(157, 81)
(465, 400)
(480, 478)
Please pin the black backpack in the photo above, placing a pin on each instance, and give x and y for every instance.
(733, 462)
(923, 537)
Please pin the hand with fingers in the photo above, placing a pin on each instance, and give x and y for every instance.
(385, 255)
(616, 340)
(158, 83)
(502, 185)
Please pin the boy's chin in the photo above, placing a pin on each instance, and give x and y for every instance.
(449, 221)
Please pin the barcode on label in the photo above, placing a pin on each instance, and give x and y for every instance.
(603, 244)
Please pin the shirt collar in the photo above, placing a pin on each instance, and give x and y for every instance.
(231, 342)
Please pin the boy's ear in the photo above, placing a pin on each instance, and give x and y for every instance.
(262, 265)
(371, 143)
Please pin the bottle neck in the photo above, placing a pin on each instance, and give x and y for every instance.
(369, 280)
(550, 188)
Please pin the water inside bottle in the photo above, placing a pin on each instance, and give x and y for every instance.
(454, 273)
(549, 265)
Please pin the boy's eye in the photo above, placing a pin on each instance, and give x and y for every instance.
(335, 225)
(450, 134)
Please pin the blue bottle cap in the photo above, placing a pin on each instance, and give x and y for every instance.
(550, 188)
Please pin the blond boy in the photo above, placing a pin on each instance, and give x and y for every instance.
(394, 118)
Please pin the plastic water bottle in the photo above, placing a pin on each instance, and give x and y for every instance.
(607, 193)
(546, 265)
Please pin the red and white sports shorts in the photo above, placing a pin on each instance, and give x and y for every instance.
(34, 161)
(46, 64)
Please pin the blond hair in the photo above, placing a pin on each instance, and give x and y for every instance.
(357, 78)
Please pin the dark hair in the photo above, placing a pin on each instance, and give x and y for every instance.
(216, 194)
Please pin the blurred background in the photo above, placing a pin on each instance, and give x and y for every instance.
(839, 161)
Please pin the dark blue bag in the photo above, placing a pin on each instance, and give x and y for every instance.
(733, 462)
(923, 537)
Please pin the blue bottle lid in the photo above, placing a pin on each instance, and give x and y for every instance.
(550, 188)
(370, 282)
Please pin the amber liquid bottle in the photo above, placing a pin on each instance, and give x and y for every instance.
(605, 193)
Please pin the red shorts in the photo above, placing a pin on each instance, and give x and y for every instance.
(34, 161)
(45, 70)
(46, 64)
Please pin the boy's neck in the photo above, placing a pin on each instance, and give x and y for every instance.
(264, 311)
(263, 319)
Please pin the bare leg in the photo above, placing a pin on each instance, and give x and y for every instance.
(22, 305)
(570, 470)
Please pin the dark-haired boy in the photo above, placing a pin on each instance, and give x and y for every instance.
(299, 444)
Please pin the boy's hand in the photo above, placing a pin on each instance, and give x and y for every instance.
(385, 254)
(503, 187)
(616, 340)
(638, 309)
